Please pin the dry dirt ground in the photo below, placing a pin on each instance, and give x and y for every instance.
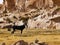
(50, 36)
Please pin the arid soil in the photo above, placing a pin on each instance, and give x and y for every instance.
(51, 37)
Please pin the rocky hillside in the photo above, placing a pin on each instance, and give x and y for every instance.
(35, 13)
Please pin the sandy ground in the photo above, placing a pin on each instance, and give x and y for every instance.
(52, 37)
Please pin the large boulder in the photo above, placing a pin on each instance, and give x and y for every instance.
(21, 42)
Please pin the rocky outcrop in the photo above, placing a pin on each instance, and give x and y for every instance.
(44, 20)
(2, 8)
(10, 5)
(38, 13)
(56, 2)
(24, 5)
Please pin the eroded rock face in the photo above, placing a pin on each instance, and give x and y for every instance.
(39, 3)
(37, 18)
(24, 4)
(21, 5)
(10, 4)
(30, 3)
(56, 2)
(2, 8)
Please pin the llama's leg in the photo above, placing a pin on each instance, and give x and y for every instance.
(13, 31)
(9, 29)
(21, 31)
